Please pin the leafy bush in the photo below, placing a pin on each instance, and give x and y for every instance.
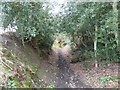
(33, 22)
(105, 79)
(82, 20)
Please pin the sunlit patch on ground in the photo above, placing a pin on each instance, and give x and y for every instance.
(61, 40)
(58, 43)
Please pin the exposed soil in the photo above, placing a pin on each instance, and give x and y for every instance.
(66, 78)
(92, 76)
(56, 68)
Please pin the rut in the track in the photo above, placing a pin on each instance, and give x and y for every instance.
(65, 76)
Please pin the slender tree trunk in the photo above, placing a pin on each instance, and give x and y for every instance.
(1, 51)
(95, 45)
(116, 21)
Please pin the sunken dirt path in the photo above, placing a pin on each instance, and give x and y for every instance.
(65, 76)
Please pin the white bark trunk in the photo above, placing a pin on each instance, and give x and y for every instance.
(0, 50)
(95, 46)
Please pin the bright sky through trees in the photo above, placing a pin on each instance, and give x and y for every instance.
(57, 6)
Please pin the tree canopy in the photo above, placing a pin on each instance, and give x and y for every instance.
(92, 26)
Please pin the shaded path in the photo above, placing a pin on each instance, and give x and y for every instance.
(65, 76)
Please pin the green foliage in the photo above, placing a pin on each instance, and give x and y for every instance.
(32, 19)
(79, 21)
(105, 79)
(51, 87)
(11, 84)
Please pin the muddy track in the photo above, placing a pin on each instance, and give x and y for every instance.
(65, 76)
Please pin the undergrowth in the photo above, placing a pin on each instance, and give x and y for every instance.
(23, 75)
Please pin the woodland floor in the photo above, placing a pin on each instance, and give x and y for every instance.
(57, 70)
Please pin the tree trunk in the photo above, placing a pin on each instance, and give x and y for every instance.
(95, 45)
(1, 51)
